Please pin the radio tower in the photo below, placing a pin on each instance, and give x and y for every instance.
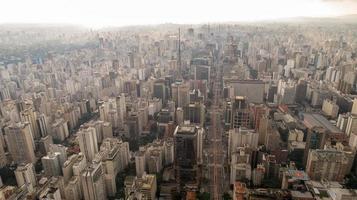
(179, 55)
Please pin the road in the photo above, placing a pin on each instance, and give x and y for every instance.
(215, 150)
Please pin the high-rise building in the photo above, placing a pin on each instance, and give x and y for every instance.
(73, 189)
(134, 128)
(240, 113)
(44, 144)
(316, 139)
(114, 155)
(60, 130)
(286, 92)
(160, 91)
(88, 142)
(3, 158)
(202, 72)
(25, 174)
(107, 130)
(140, 163)
(179, 116)
(62, 150)
(331, 165)
(188, 153)
(180, 94)
(351, 125)
(144, 187)
(93, 184)
(28, 115)
(51, 164)
(330, 108)
(354, 107)
(245, 87)
(20, 143)
(121, 109)
(42, 125)
(242, 137)
(195, 113)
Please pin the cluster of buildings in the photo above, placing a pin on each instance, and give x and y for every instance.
(138, 103)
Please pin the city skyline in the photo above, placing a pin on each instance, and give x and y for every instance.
(94, 14)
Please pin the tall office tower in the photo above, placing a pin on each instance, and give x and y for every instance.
(300, 94)
(180, 94)
(113, 118)
(240, 112)
(245, 87)
(257, 111)
(51, 164)
(79, 165)
(315, 139)
(228, 114)
(196, 96)
(133, 125)
(160, 91)
(240, 168)
(188, 153)
(286, 92)
(342, 121)
(44, 144)
(242, 137)
(265, 127)
(330, 108)
(20, 143)
(179, 116)
(354, 107)
(73, 189)
(115, 158)
(62, 150)
(351, 125)
(98, 126)
(28, 115)
(67, 167)
(88, 142)
(25, 174)
(140, 163)
(121, 109)
(60, 130)
(107, 130)
(131, 60)
(42, 125)
(4, 94)
(195, 113)
(202, 72)
(3, 158)
(331, 165)
(93, 184)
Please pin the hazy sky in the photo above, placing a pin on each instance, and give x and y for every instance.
(99, 13)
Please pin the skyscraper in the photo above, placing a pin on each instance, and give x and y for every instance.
(330, 165)
(93, 184)
(20, 143)
(195, 113)
(42, 125)
(51, 164)
(88, 142)
(25, 174)
(188, 153)
(28, 115)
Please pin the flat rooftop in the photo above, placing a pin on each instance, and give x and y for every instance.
(312, 120)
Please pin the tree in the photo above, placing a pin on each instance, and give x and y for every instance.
(226, 196)
(204, 196)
